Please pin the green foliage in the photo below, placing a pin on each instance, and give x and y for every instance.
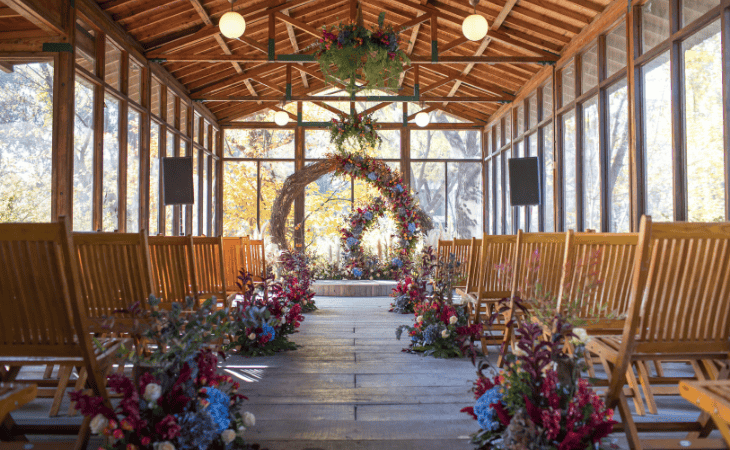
(355, 129)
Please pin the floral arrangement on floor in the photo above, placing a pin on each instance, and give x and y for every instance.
(358, 223)
(414, 285)
(540, 400)
(357, 128)
(374, 268)
(348, 47)
(410, 220)
(296, 280)
(263, 316)
(441, 329)
(184, 407)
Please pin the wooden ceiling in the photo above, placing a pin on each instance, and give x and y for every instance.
(183, 35)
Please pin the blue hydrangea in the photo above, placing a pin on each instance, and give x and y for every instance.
(486, 415)
(349, 167)
(351, 241)
(368, 215)
(431, 333)
(357, 231)
(373, 176)
(268, 330)
(197, 430)
(399, 188)
(219, 408)
(357, 272)
(411, 227)
(397, 262)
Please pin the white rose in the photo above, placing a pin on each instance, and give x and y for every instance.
(167, 445)
(98, 423)
(453, 320)
(252, 336)
(419, 319)
(581, 334)
(519, 352)
(445, 334)
(249, 420)
(241, 430)
(285, 311)
(228, 436)
(152, 392)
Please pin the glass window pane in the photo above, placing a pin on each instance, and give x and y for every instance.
(654, 23)
(704, 133)
(532, 101)
(465, 199)
(658, 138)
(327, 204)
(133, 123)
(205, 131)
(169, 151)
(520, 120)
(616, 50)
(154, 179)
(547, 100)
(135, 81)
(568, 79)
(205, 167)
(239, 207)
(488, 197)
(694, 9)
(273, 175)
(110, 176)
(155, 106)
(569, 179)
(26, 111)
(183, 118)
(316, 143)
(428, 182)
(170, 107)
(214, 192)
(548, 165)
(389, 147)
(83, 156)
(618, 171)
(498, 134)
(196, 128)
(488, 143)
(86, 46)
(533, 211)
(507, 129)
(507, 203)
(445, 144)
(589, 69)
(270, 143)
(591, 167)
(196, 189)
(499, 200)
(521, 212)
(112, 62)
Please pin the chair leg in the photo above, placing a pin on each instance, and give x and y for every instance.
(64, 374)
(634, 386)
(49, 372)
(80, 383)
(632, 434)
(643, 370)
(658, 368)
(82, 440)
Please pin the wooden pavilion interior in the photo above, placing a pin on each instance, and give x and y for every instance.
(625, 104)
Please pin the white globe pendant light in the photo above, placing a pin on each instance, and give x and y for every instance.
(281, 118)
(422, 119)
(232, 25)
(475, 26)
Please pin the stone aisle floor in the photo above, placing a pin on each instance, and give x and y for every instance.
(350, 387)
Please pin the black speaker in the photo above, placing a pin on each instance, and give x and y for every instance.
(177, 180)
(524, 181)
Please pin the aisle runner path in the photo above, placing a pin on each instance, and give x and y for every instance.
(350, 387)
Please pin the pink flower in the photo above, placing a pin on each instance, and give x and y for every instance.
(168, 428)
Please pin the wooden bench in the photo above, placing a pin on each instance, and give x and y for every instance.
(233, 261)
(44, 320)
(678, 310)
(173, 269)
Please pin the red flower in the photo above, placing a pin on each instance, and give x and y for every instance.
(168, 428)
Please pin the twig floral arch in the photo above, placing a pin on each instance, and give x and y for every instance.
(410, 218)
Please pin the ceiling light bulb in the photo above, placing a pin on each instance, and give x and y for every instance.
(281, 118)
(475, 27)
(232, 25)
(422, 119)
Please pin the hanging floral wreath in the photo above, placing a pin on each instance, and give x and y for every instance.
(346, 48)
(355, 127)
(409, 217)
(359, 221)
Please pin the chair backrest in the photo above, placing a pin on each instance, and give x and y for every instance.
(40, 297)
(255, 259)
(473, 265)
(460, 250)
(444, 249)
(209, 269)
(114, 271)
(681, 287)
(496, 250)
(538, 263)
(605, 260)
(233, 260)
(173, 268)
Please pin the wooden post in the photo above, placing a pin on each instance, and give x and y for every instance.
(123, 135)
(190, 151)
(405, 149)
(219, 180)
(635, 119)
(579, 181)
(63, 120)
(177, 209)
(144, 151)
(163, 151)
(299, 201)
(725, 27)
(209, 182)
(678, 127)
(98, 191)
(604, 135)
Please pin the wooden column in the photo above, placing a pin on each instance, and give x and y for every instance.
(405, 149)
(144, 151)
(635, 119)
(219, 179)
(123, 135)
(177, 209)
(677, 93)
(98, 190)
(198, 154)
(485, 181)
(63, 119)
(725, 27)
(558, 154)
(209, 182)
(163, 151)
(190, 151)
(579, 181)
(299, 201)
(604, 135)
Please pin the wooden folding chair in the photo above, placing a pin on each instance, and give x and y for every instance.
(490, 286)
(536, 271)
(173, 269)
(472, 269)
(461, 249)
(712, 397)
(233, 261)
(678, 310)
(209, 268)
(255, 257)
(443, 250)
(43, 318)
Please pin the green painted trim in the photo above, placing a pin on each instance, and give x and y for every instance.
(288, 91)
(157, 60)
(57, 47)
(272, 50)
(417, 90)
(299, 117)
(295, 58)
(434, 51)
(314, 124)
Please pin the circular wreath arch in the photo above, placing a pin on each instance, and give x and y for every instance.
(359, 221)
(410, 218)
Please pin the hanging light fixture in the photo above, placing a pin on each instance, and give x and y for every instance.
(422, 119)
(281, 118)
(232, 24)
(475, 26)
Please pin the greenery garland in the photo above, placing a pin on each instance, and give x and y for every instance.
(355, 127)
(346, 48)
(359, 221)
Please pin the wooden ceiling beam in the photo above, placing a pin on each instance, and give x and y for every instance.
(45, 14)
(251, 89)
(477, 83)
(295, 46)
(415, 59)
(206, 19)
(330, 108)
(6, 67)
(426, 110)
(343, 98)
(297, 24)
